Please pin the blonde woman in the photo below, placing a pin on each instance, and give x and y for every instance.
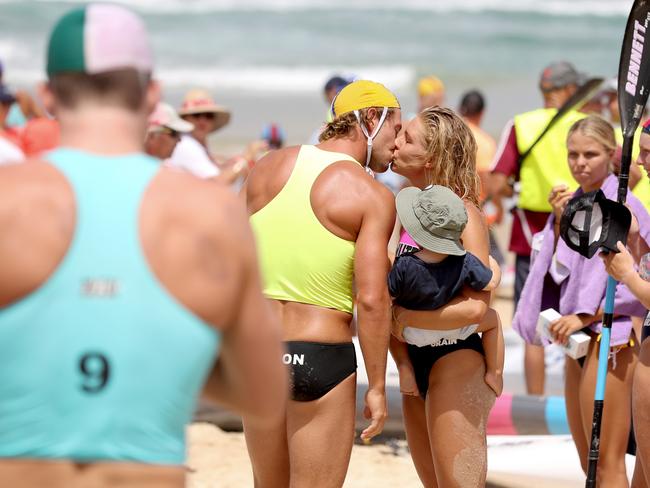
(562, 279)
(445, 424)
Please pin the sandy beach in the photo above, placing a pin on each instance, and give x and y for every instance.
(219, 459)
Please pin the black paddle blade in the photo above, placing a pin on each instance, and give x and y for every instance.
(582, 95)
(634, 68)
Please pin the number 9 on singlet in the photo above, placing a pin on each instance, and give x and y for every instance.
(95, 372)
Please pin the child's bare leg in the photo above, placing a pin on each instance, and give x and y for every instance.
(494, 349)
(399, 351)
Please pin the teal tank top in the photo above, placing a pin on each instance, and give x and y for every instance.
(101, 363)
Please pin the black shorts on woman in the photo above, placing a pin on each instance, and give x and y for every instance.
(423, 358)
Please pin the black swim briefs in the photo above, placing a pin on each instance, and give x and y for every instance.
(423, 358)
(316, 368)
(645, 330)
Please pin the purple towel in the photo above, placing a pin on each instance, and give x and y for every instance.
(583, 291)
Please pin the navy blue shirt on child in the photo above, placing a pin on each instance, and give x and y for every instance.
(417, 285)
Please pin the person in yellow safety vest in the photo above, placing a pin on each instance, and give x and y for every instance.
(543, 169)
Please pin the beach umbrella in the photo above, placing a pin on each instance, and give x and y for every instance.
(633, 86)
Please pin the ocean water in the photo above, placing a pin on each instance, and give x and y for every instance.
(268, 59)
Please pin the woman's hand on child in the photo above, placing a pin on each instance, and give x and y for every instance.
(619, 265)
(563, 327)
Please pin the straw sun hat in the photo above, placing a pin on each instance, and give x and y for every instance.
(199, 101)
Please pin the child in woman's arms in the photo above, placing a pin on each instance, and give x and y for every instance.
(429, 278)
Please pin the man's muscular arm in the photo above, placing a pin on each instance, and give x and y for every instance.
(249, 376)
(371, 266)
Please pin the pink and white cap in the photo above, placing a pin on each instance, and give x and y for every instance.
(98, 38)
(165, 116)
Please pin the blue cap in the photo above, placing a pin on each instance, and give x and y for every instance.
(337, 83)
(6, 97)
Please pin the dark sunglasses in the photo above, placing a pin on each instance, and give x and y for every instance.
(169, 132)
(205, 115)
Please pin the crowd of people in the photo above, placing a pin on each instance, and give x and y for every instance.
(578, 155)
(139, 270)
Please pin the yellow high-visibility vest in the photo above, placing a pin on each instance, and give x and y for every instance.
(546, 165)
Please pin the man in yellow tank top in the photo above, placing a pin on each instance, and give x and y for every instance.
(321, 222)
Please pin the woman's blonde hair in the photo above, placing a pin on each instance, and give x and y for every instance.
(343, 125)
(598, 129)
(451, 147)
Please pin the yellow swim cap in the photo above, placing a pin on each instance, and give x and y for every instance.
(363, 94)
(430, 85)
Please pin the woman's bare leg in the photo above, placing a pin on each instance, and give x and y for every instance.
(641, 412)
(417, 435)
(535, 369)
(320, 435)
(457, 407)
(573, 376)
(617, 412)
